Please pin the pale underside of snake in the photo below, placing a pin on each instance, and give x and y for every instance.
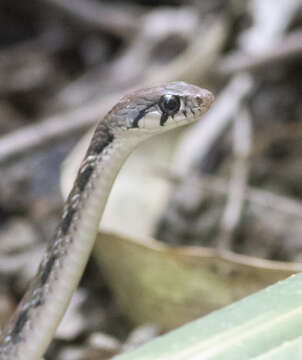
(135, 118)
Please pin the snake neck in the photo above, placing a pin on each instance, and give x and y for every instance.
(49, 293)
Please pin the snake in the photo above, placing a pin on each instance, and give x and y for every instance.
(136, 117)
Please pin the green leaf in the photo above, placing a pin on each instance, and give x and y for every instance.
(263, 326)
(152, 282)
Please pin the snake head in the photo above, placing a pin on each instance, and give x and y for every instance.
(162, 107)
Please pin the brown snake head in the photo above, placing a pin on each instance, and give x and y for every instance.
(155, 109)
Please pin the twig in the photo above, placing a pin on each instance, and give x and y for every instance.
(28, 66)
(108, 18)
(289, 47)
(76, 121)
(48, 42)
(238, 184)
(192, 65)
(197, 142)
(280, 203)
(56, 127)
(157, 26)
(271, 19)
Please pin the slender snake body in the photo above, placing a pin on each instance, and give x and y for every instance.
(135, 118)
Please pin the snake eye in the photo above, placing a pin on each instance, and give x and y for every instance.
(169, 104)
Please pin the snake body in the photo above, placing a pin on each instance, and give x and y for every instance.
(135, 118)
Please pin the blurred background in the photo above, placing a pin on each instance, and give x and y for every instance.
(198, 218)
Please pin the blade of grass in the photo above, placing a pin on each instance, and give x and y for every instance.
(251, 328)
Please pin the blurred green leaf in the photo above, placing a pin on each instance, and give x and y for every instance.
(154, 283)
(263, 326)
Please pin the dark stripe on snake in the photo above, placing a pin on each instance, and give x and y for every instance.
(105, 141)
(140, 115)
(47, 269)
(163, 118)
(67, 221)
(83, 177)
(102, 137)
(20, 322)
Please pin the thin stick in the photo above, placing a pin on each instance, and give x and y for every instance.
(280, 203)
(289, 47)
(197, 142)
(53, 129)
(238, 184)
(105, 17)
(76, 121)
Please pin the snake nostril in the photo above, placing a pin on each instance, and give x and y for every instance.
(199, 100)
